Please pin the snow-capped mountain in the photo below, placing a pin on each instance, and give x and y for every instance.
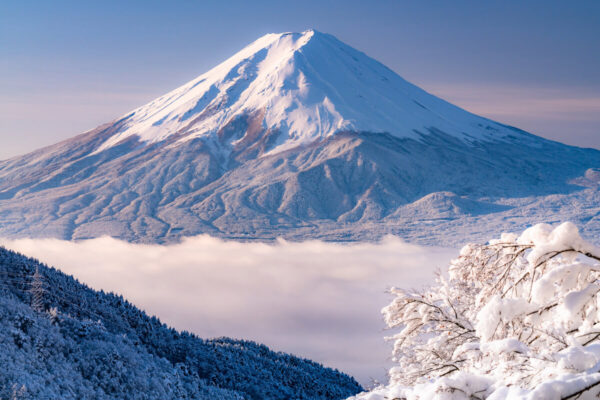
(297, 135)
(300, 87)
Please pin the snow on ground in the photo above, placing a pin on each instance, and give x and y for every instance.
(314, 299)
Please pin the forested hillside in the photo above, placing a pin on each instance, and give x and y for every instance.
(61, 339)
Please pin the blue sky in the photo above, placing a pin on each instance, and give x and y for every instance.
(67, 66)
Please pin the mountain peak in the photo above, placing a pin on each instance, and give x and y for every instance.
(299, 87)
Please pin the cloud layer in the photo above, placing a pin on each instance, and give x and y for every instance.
(314, 299)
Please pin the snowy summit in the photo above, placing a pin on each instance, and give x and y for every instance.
(304, 86)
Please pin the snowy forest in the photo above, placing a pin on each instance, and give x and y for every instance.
(60, 339)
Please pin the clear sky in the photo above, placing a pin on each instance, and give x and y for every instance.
(68, 66)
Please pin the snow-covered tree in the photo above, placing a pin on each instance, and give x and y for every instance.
(516, 318)
(37, 290)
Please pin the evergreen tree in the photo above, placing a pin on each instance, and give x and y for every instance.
(37, 291)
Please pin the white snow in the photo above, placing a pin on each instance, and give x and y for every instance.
(508, 345)
(310, 86)
(496, 311)
(518, 318)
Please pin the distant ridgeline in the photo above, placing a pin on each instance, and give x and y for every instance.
(61, 339)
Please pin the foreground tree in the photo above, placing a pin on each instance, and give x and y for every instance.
(518, 317)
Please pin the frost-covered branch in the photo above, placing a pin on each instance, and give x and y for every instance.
(517, 317)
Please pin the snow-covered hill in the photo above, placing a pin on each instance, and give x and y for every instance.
(297, 135)
(61, 340)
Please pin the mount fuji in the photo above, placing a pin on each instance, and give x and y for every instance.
(298, 135)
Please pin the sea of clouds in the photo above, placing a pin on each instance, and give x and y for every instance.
(315, 299)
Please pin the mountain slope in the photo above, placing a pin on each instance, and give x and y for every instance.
(297, 135)
(76, 343)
